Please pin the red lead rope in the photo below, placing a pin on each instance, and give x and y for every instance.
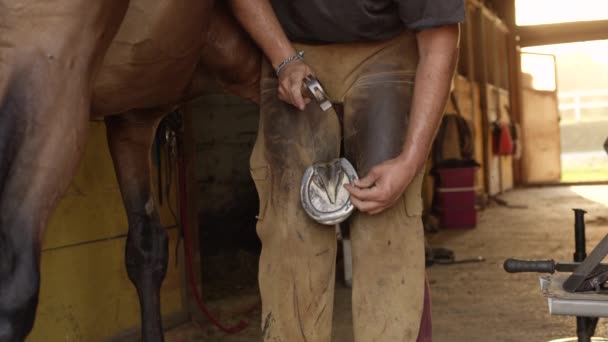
(183, 216)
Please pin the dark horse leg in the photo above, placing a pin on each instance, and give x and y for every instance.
(130, 138)
(49, 51)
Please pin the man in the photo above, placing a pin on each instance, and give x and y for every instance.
(390, 64)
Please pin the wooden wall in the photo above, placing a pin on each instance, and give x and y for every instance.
(541, 160)
(499, 169)
(467, 94)
(484, 87)
(489, 39)
(85, 293)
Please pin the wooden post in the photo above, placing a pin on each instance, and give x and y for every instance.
(481, 73)
(515, 83)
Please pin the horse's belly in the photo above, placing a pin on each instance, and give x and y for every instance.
(152, 58)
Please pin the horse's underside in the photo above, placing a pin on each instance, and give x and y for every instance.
(65, 61)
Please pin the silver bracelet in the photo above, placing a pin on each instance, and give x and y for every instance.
(299, 55)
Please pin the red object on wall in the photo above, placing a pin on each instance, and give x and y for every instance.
(503, 141)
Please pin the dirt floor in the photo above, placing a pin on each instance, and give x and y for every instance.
(478, 301)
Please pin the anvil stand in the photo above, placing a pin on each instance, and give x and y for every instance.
(588, 274)
(585, 326)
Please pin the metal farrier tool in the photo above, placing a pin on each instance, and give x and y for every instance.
(583, 293)
(588, 273)
(313, 90)
(322, 192)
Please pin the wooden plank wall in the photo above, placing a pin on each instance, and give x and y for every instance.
(485, 76)
(467, 94)
(500, 168)
(492, 72)
(85, 292)
(506, 162)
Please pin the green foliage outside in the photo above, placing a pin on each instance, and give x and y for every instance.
(593, 169)
(583, 158)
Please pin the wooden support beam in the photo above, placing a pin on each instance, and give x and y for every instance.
(481, 73)
(507, 12)
(535, 35)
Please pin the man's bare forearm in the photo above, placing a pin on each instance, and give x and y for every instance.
(438, 49)
(259, 19)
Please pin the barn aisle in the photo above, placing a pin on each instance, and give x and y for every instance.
(479, 302)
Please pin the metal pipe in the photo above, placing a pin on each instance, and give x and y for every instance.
(580, 252)
(585, 326)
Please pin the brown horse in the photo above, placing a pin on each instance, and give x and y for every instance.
(63, 62)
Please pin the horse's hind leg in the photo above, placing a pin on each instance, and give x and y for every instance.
(130, 138)
(48, 55)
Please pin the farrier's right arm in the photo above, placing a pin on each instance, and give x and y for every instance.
(259, 19)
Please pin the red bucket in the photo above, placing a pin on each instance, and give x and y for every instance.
(457, 177)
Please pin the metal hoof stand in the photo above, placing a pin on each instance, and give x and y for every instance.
(583, 293)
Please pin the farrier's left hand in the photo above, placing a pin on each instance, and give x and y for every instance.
(291, 80)
(382, 186)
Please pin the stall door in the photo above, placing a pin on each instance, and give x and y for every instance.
(541, 161)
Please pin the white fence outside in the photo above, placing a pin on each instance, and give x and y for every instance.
(573, 103)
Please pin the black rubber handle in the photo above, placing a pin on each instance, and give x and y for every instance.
(540, 266)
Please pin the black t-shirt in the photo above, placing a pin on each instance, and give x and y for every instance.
(342, 21)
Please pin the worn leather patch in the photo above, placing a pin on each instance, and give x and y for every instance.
(413, 198)
(261, 178)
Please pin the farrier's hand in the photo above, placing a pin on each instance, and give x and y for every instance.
(382, 186)
(291, 80)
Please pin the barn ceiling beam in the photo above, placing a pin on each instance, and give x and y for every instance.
(535, 35)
